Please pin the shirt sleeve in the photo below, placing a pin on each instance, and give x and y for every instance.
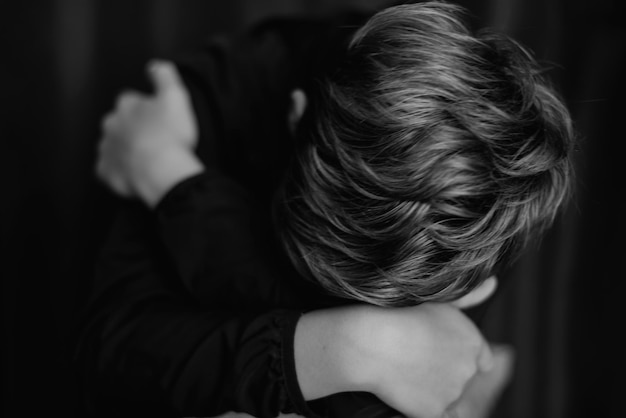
(224, 252)
(218, 225)
(240, 88)
(147, 349)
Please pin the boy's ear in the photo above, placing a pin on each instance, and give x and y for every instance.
(298, 106)
(478, 295)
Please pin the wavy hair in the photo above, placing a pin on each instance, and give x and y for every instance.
(427, 158)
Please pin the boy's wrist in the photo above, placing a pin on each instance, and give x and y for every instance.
(328, 351)
(357, 332)
(159, 170)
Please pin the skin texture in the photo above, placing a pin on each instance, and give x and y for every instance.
(424, 361)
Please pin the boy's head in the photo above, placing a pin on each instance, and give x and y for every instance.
(424, 160)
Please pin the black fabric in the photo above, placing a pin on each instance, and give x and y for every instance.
(194, 305)
(148, 348)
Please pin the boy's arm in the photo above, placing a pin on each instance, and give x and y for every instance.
(349, 366)
(240, 89)
(139, 310)
(240, 86)
(147, 347)
(215, 237)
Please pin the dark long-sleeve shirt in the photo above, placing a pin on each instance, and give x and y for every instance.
(194, 305)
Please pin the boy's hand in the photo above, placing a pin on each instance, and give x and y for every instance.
(417, 360)
(148, 142)
(427, 356)
(483, 392)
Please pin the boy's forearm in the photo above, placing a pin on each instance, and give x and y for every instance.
(325, 352)
(417, 360)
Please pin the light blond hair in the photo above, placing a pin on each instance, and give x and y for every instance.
(428, 157)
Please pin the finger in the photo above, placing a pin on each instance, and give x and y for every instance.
(478, 295)
(485, 358)
(118, 185)
(504, 361)
(450, 413)
(127, 100)
(112, 180)
(165, 77)
(484, 390)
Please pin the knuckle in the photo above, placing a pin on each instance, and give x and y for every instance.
(464, 374)
(108, 122)
(126, 100)
(470, 371)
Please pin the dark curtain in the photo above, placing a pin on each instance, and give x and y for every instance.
(64, 61)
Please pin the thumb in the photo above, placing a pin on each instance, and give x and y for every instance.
(164, 76)
(485, 358)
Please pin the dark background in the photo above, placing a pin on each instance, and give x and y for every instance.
(65, 60)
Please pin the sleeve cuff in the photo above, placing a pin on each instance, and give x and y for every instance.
(181, 190)
(292, 387)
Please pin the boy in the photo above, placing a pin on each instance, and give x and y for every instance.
(424, 157)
